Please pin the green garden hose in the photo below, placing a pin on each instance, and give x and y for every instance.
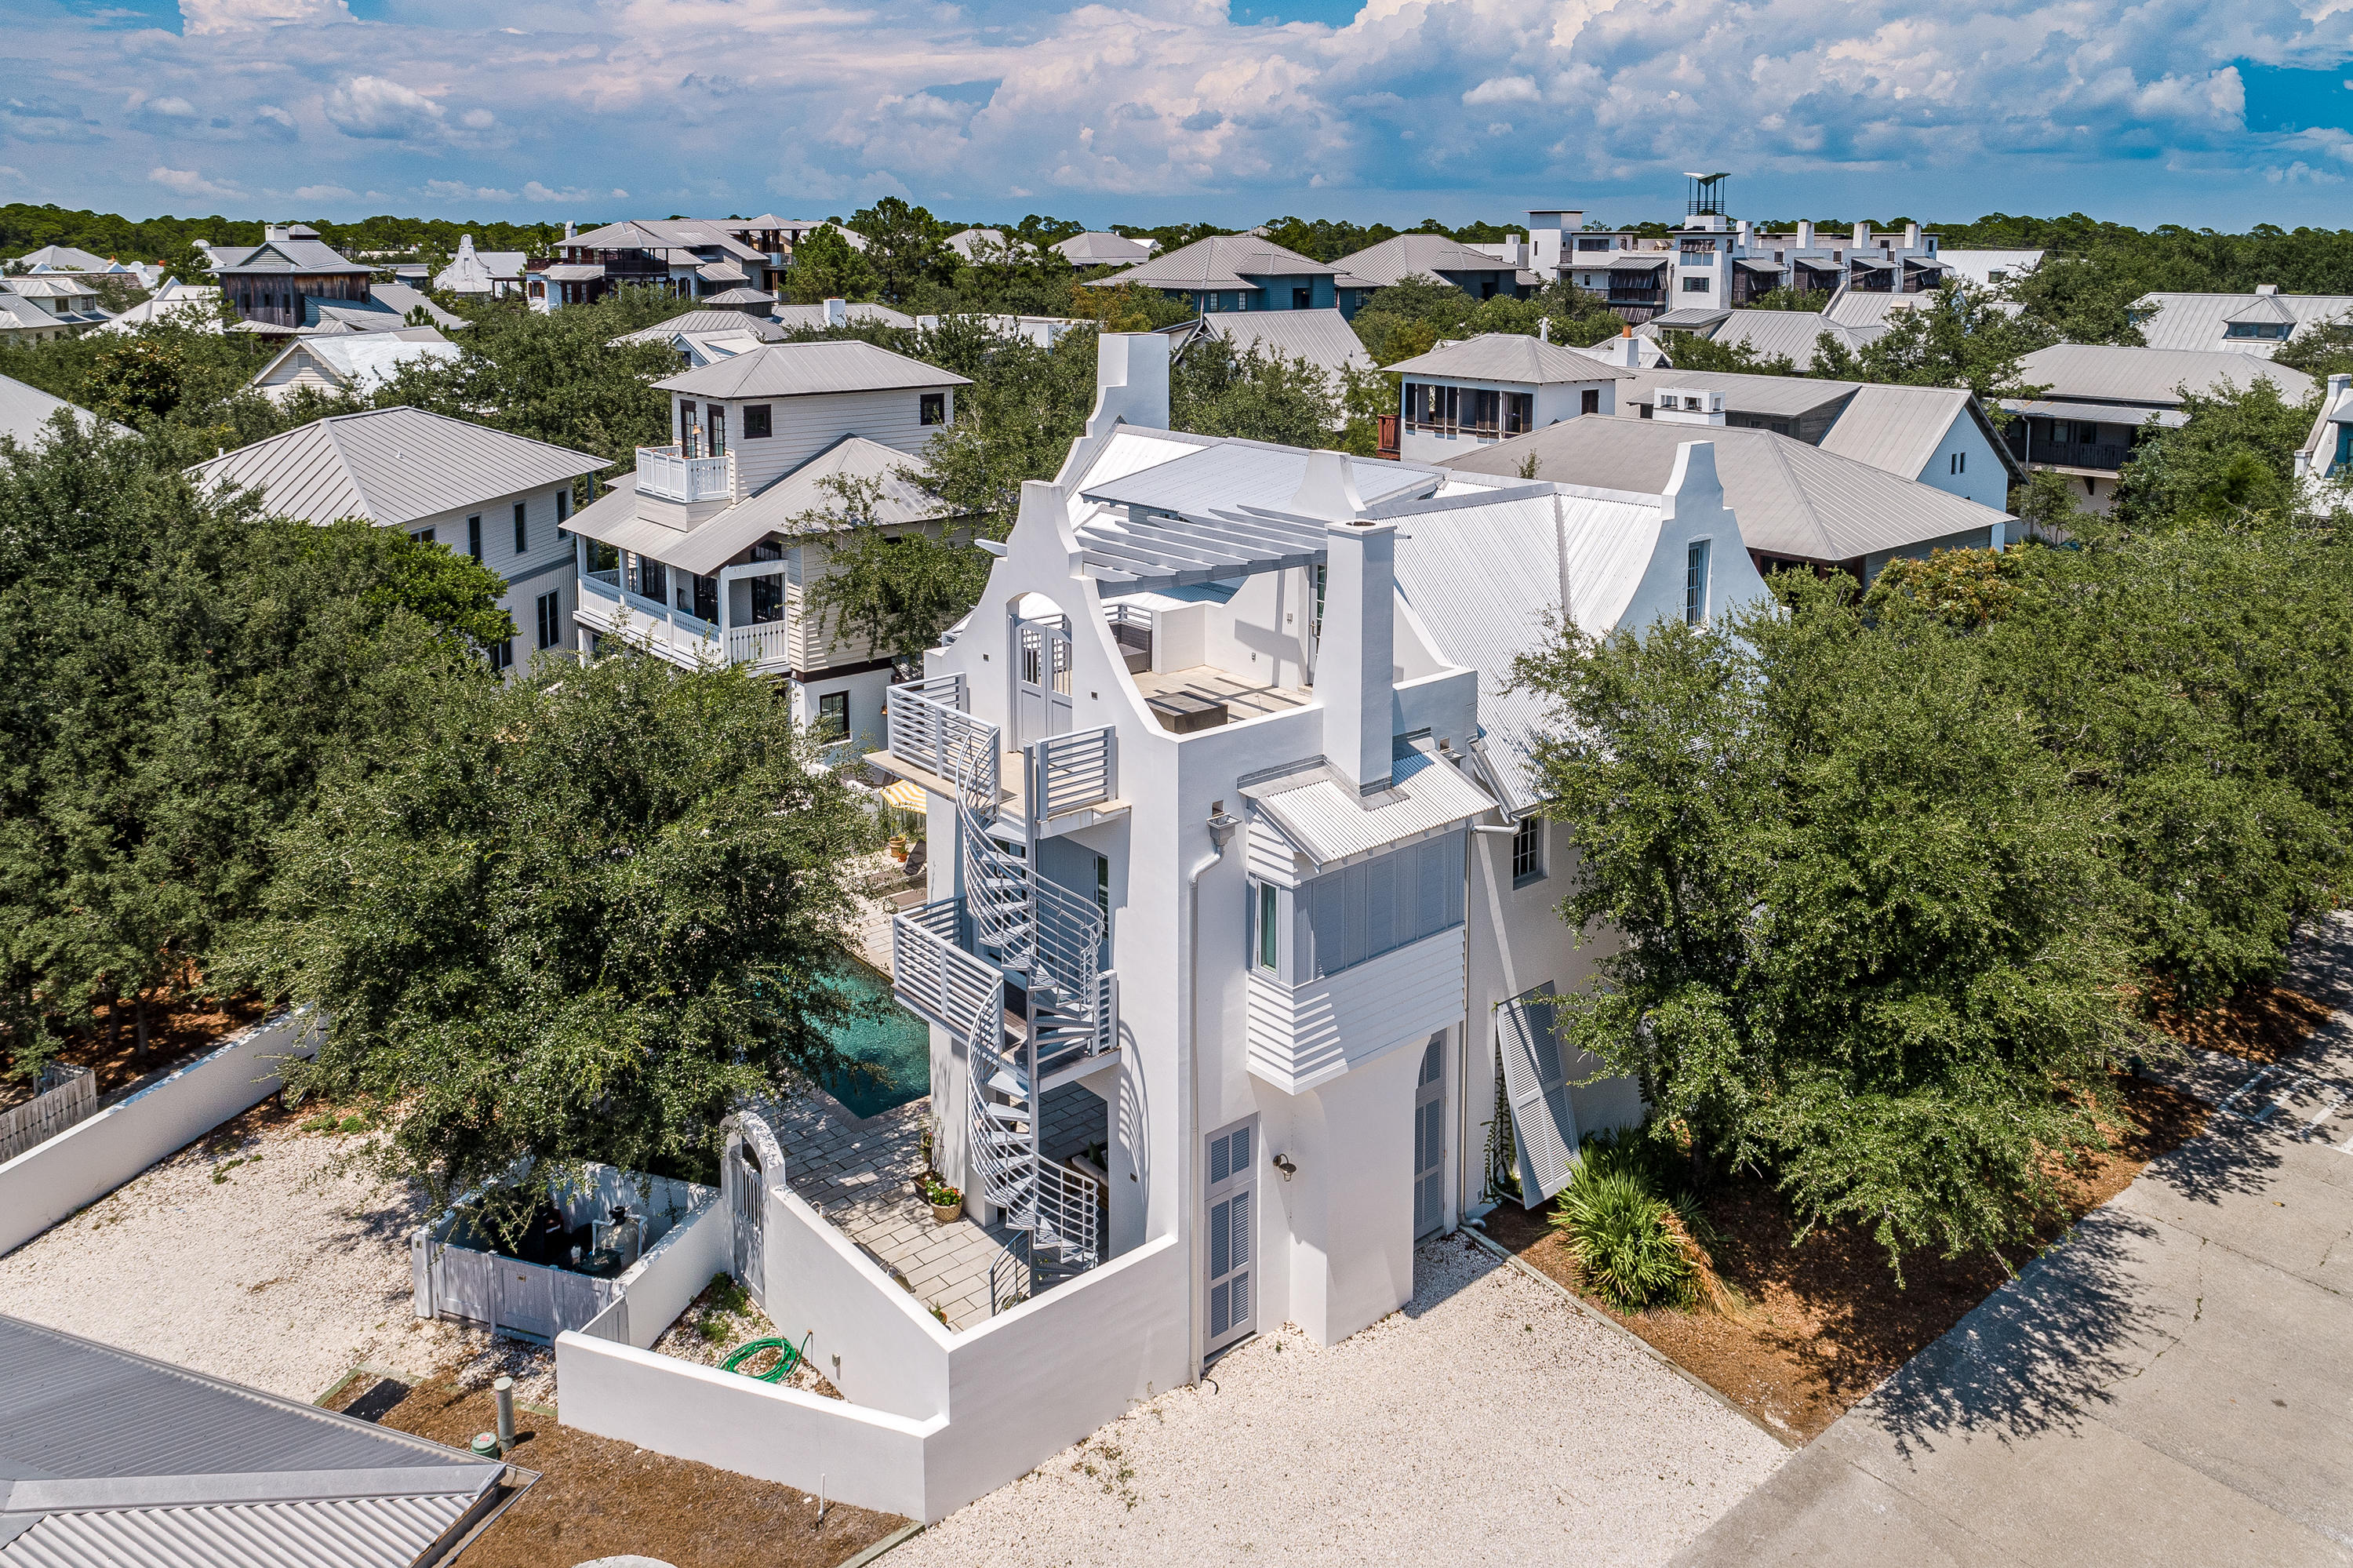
(787, 1358)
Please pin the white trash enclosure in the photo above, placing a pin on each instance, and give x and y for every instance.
(930, 1417)
(615, 1228)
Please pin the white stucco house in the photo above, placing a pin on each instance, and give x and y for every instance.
(704, 551)
(1235, 859)
(1489, 388)
(503, 498)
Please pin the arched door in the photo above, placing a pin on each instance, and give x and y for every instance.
(1042, 683)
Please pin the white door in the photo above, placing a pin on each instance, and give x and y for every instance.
(749, 1212)
(1041, 670)
(1429, 1140)
(1233, 1231)
(526, 1297)
(1543, 1123)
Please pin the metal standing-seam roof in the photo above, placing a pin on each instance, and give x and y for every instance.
(24, 412)
(1321, 337)
(1221, 262)
(1793, 335)
(1099, 248)
(701, 321)
(2146, 377)
(1779, 397)
(1509, 357)
(109, 1458)
(1232, 474)
(2198, 320)
(779, 506)
(391, 466)
(311, 255)
(794, 318)
(1793, 499)
(800, 369)
(1405, 256)
(1869, 308)
(1898, 430)
(1331, 824)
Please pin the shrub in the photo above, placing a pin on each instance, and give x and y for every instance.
(1625, 1239)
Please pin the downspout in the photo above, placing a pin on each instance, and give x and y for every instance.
(1221, 829)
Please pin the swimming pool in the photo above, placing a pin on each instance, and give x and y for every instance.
(896, 1040)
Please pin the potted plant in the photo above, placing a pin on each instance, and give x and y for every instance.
(899, 848)
(946, 1203)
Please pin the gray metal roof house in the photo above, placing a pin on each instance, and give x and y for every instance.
(1245, 273)
(1434, 256)
(275, 280)
(110, 1459)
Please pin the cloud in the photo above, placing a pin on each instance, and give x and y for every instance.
(379, 107)
(200, 16)
(169, 108)
(458, 190)
(322, 193)
(534, 191)
(9, 172)
(188, 181)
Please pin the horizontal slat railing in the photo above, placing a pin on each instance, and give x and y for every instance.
(929, 729)
(1070, 772)
(932, 975)
(1067, 1206)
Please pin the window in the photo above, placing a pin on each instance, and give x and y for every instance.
(1695, 285)
(551, 618)
(563, 509)
(423, 535)
(1345, 917)
(1527, 851)
(1519, 413)
(1695, 582)
(718, 429)
(1643, 408)
(502, 654)
(1270, 929)
(652, 579)
(833, 716)
(757, 424)
(523, 532)
(932, 408)
(705, 603)
(1960, 462)
(1103, 884)
(690, 431)
(1590, 400)
(1300, 298)
(474, 535)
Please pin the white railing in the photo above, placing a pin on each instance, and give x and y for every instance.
(931, 974)
(63, 1095)
(1070, 772)
(762, 642)
(605, 584)
(666, 473)
(1068, 1212)
(929, 729)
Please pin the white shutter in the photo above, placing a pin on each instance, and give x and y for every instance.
(1543, 1128)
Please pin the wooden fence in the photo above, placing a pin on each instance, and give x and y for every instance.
(66, 1095)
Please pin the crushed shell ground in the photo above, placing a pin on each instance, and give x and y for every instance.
(1488, 1421)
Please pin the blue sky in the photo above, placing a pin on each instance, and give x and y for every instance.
(2195, 111)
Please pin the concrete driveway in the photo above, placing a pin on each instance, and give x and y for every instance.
(2174, 1385)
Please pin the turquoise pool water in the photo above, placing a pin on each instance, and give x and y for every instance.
(895, 1041)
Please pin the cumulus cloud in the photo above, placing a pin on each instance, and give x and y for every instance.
(322, 193)
(534, 191)
(239, 15)
(459, 190)
(377, 106)
(188, 181)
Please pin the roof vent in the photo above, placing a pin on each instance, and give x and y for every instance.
(2267, 287)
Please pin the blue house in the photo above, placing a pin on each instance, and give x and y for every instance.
(1244, 272)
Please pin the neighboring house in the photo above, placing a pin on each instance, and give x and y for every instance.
(688, 256)
(24, 321)
(505, 500)
(1793, 335)
(1323, 338)
(986, 244)
(1477, 274)
(353, 364)
(196, 306)
(2101, 397)
(1489, 388)
(2326, 455)
(481, 274)
(111, 1457)
(1988, 267)
(2242, 323)
(1094, 249)
(701, 554)
(26, 412)
(838, 313)
(403, 299)
(1044, 332)
(1938, 436)
(1244, 272)
(1715, 262)
(67, 259)
(277, 282)
(1798, 505)
(69, 298)
(1803, 408)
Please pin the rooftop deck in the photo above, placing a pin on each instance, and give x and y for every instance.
(1243, 699)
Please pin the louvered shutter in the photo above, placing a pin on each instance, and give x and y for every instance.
(1544, 1127)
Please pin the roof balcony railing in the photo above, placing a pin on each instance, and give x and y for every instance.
(1070, 773)
(929, 729)
(667, 472)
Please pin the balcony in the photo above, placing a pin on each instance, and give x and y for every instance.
(934, 741)
(2107, 457)
(668, 474)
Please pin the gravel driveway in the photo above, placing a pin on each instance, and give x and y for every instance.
(1489, 1421)
(249, 1256)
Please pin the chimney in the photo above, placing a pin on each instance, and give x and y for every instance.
(1805, 234)
(1355, 652)
(2267, 287)
(837, 313)
(1744, 234)
(270, 231)
(1861, 236)
(1910, 236)
(2337, 384)
(1543, 329)
(567, 231)
(1131, 381)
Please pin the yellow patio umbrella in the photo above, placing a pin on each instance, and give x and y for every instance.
(906, 795)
